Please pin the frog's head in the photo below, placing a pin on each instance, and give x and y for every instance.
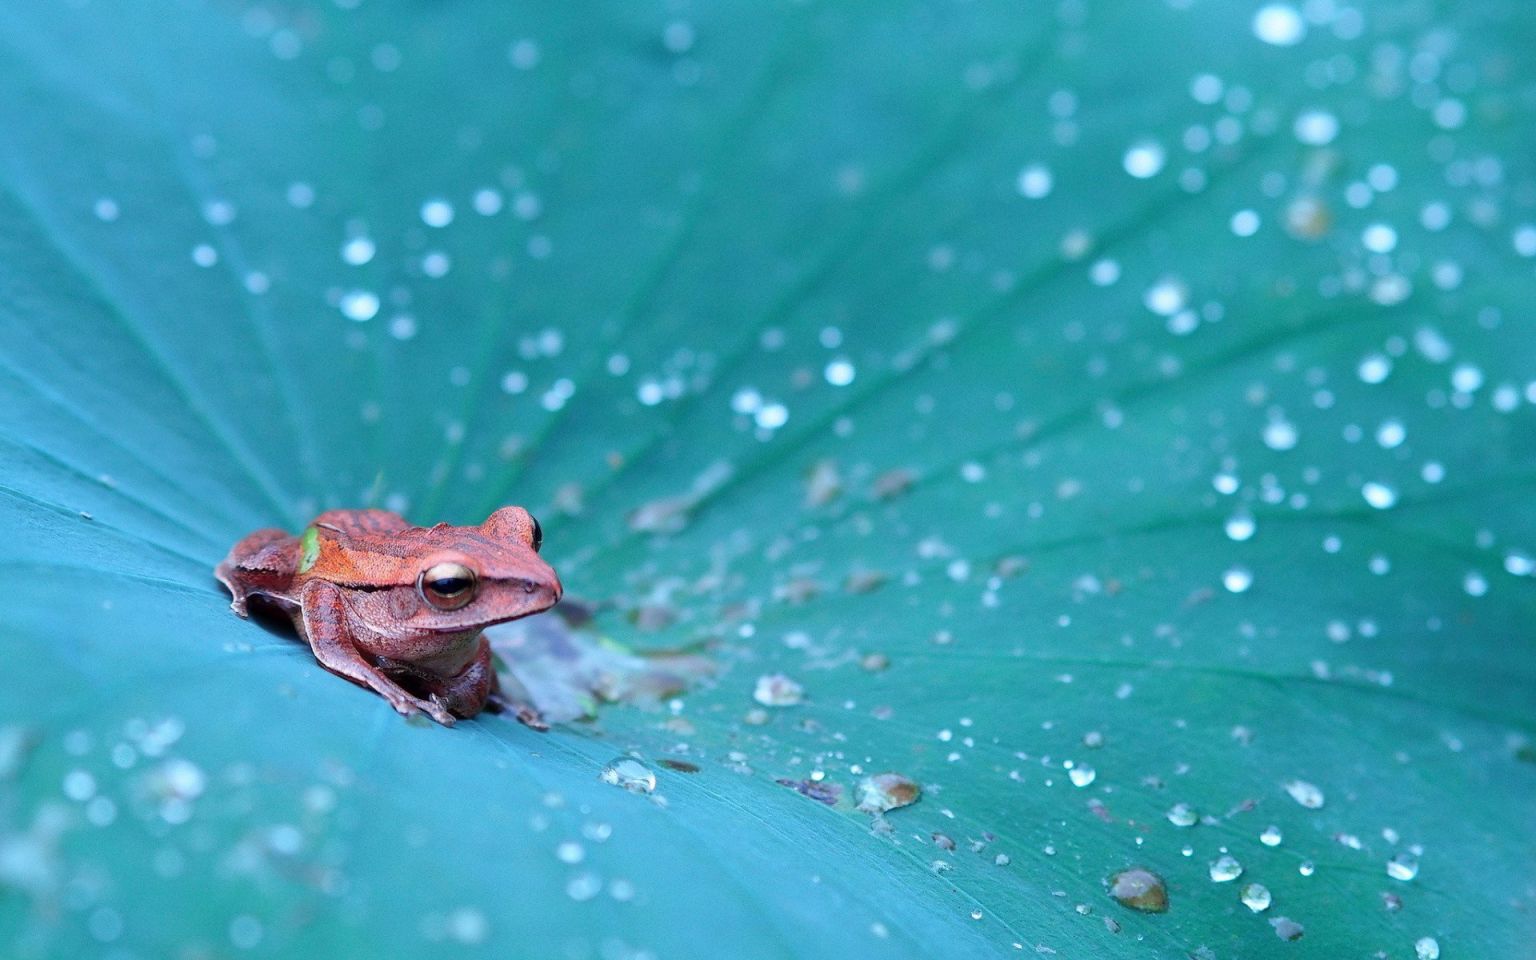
(476, 576)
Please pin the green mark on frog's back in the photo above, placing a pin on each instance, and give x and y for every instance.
(309, 549)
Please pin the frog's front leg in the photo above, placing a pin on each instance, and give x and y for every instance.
(325, 618)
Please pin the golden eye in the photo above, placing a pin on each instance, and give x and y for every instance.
(447, 586)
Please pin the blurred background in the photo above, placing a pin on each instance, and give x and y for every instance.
(1029, 478)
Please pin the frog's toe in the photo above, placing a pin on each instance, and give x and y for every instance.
(439, 711)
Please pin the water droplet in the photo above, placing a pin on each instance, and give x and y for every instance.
(1286, 928)
(1144, 159)
(1255, 897)
(1166, 297)
(437, 213)
(584, 886)
(1391, 434)
(569, 851)
(1035, 181)
(1379, 238)
(1474, 583)
(630, 774)
(839, 372)
(1379, 495)
(359, 305)
(1306, 868)
(1279, 24)
(358, 251)
(1241, 526)
(1316, 128)
(887, 791)
(1304, 793)
(1426, 948)
(1183, 815)
(1225, 868)
(1271, 836)
(1081, 776)
(1237, 579)
(1280, 434)
(1139, 889)
(1403, 866)
(777, 690)
(1374, 368)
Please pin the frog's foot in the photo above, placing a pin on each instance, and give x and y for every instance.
(526, 713)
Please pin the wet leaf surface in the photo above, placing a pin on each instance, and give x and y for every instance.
(1114, 421)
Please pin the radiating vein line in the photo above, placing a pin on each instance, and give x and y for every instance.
(74, 515)
(1035, 282)
(640, 298)
(149, 464)
(195, 403)
(112, 489)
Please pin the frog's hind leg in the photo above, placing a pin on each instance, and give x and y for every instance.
(325, 619)
(266, 558)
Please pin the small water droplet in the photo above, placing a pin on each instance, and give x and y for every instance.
(1375, 368)
(1403, 866)
(1144, 159)
(1379, 495)
(1225, 868)
(437, 213)
(358, 251)
(584, 886)
(1241, 527)
(1279, 24)
(1237, 579)
(359, 305)
(1035, 181)
(1304, 793)
(1306, 868)
(1280, 434)
(1139, 889)
(630, 774)
(1081, 776)
(1426, 948)
(1271, 836)
(1255, 897)
(777, 690)
(1183, 815)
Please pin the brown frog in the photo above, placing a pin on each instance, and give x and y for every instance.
(399, 609)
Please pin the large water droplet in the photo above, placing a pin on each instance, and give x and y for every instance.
(1426, 948)
(630, 774)
(1081, 776)
(1139, 889)
(1271, 836)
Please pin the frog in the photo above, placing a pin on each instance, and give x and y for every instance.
(401, 609)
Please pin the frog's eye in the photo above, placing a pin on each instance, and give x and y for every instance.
(447, 586)
(538, 533)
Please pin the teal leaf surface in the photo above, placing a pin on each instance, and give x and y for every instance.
(1119, 419)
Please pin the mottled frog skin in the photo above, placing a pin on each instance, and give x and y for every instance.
(399, 609)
